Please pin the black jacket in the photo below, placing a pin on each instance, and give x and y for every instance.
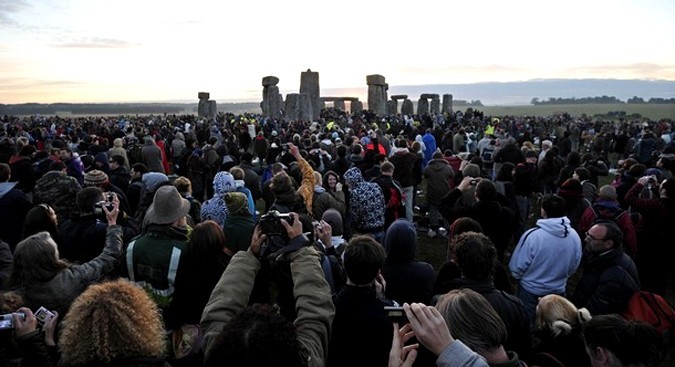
(609, 280)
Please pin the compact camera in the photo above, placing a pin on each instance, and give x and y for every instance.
(270, 223)
(396, 314)
(108, 203)
(6, 321)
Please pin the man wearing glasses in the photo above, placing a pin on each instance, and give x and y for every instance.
(610, 277)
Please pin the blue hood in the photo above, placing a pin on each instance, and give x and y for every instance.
(5, 187)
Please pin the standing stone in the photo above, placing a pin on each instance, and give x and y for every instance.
(292, 107)
(309, 84)
(203, 107)
(392, 107)
(271, 103)
(435, 105)
(407, 107)
(447, 103)
(356, 106)
(305, 107)
(212, 109)
(339, 104)
(377, 94)
(423, 106)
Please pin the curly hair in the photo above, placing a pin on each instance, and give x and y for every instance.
(111, 321)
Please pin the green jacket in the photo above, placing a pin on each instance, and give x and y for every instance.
(312, 294)
(239, 230)
(151, 260)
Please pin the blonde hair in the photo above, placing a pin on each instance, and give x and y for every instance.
(111, 321)
(559, 315)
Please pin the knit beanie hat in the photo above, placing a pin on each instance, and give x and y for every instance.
(95, 178)
(571, 188)
(236, 202)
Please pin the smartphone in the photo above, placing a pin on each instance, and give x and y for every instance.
(396, 314)
(6, 321)
(41, 315)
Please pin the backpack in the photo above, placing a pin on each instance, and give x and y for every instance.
(652, 309)
(604, 215)
(396, 203)
(135, 154)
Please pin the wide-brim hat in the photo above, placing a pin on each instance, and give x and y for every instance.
(167, 206)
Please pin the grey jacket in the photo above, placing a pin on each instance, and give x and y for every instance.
(59, 292)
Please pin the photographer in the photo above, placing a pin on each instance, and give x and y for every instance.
(83, 235)
(230, 327)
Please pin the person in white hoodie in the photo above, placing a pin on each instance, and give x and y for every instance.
(546, 255)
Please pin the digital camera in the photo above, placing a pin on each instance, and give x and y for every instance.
(270, 223)
(6, 321)
(396, 314)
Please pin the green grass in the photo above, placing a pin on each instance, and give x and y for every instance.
(651, 111)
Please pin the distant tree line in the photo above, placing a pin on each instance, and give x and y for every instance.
(115, 108)
(464, 103)
(599, 100)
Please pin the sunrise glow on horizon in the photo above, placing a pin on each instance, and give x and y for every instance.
(140, 51)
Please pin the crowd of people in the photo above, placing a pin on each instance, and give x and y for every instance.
(248, 241)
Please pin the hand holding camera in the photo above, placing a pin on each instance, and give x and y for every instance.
(257, 240)
(467, 182)
(294, 150)
(294, 230)
(111, 211)
(324, 232)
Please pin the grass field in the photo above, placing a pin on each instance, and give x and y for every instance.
(651, 111)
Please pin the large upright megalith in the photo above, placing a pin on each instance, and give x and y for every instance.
(407, 107)
(447, 103)
(309, 85)
(377, 94)
(297, 107)
(206, 108)
(271, 103)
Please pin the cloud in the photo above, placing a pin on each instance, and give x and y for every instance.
(461, 68)
(98, 43)
(8, 8)
(8, 84)
(635, 68)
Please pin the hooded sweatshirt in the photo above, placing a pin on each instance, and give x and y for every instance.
(407, 280)
(215, 208)
(546, 256)
(366, 201)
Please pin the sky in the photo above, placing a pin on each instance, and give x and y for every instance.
(91, 51)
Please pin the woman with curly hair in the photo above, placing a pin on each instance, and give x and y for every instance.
(559, 326)
(114, 323)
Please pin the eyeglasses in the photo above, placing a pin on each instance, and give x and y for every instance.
(589, 235)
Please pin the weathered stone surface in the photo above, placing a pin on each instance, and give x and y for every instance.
(305, 107)
(309, 84)
(429, 95)
(274, 101)
(356, 106)
(399, 96)
(392, 107)
(375, 79)
(339, 104)
(423, 106)
(447, 103)
(351, 99)
(377, 94)
(435, 106)
(292, 107)
(407, 107)
(203, 95)
(270, 80)
(212, 109)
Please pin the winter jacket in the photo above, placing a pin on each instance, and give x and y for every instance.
(59, 292)
(438, 174)
(546, 256)
(14, 205)
(311, 292)
(407, 166)
(366, 201)
(609, 280)
(407, 280)
(152, 156)
(610, 210)
(324, 201)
